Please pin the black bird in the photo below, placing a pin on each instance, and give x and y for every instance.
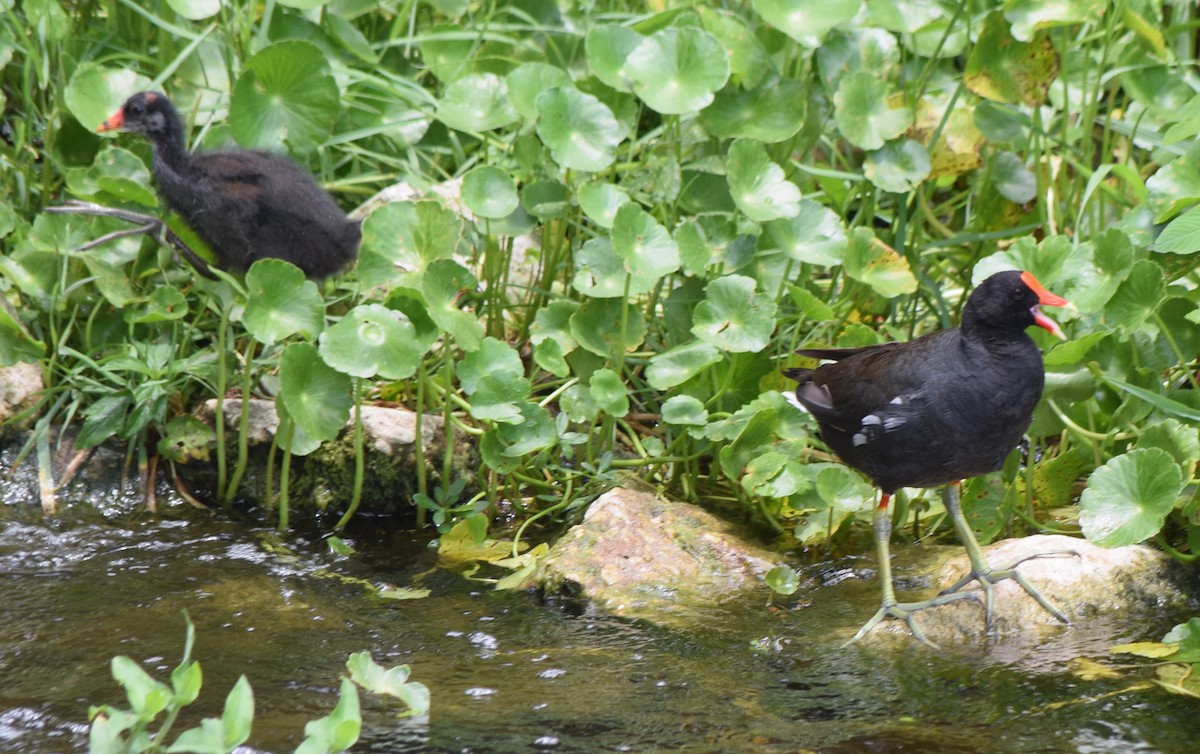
(933, 411)
(247, 205)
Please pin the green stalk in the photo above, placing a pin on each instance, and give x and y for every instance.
(359, 465)
(419, 440)
(219, 419)
(243, 458)
(284, 477)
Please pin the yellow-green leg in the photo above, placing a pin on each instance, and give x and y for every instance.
(984, 573)
(889, 607)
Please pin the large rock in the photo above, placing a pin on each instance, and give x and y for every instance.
(638, 555)
(1134, 583)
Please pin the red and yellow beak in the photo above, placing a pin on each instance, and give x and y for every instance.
(1045, 298)
(114, 123)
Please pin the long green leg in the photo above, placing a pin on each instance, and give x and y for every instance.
(889, 607)
(984, 573)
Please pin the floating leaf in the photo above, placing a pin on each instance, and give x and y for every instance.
(579, 129)
(490, 192)
(1128, 498)
(871, 261)
(371, 340)
(783, 579)
(807, 21)
(478, 102)
(733, 317)
(899, 166)
(863, 114)
(1004, 69)
(677, 71)
(758, 185)
(285, 94)
(316, 395)
(281, 302)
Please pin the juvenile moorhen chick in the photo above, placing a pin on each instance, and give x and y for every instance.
(933, 411)
(245, 204)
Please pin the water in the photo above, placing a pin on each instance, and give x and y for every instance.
(509, 675)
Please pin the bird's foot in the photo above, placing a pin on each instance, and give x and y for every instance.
(989, 577)
(904, 611)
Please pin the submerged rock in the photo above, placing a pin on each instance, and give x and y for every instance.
(1135, 584)
(638, 555)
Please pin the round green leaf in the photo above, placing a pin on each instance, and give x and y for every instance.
(198, 10)
(783, 580)
(599, 272)
(862, 112)
(677, 71)
(553, 322)
(645, 248)
(119, 173)
(546, 199)
(528, 80)
(898, 167)
(609, 392)
(1128, 498)
(757, 184)
(478, 102)
(815, 235)
(95, 92)
(596, 325)
(600, 202)
(402, 239)
(1003, 69)
(494, 357)
(446, 50)
(1138, 297)
(490, 192)
(372, 340)
(680, 364)
(770, 113)
(871, 261)
(608, 47)
(1012, 179)
(807, 21)
(684, 410)
(579, 129)
(442, 285)
(499, 398)
(285, 94)
(316, 395)
(733, 317)
(281, 302)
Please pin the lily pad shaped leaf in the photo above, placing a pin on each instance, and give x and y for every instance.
(443, 284)
(770, 113)
(684, 410)
(527, 81)
(600, 202)
(281, 302)
(478, 102)
(490, 192)
(580, 130)
(494, 357)
(815, 235)
(863, 114)
(316, 395)
(807, 21)
(609, 392)
(608, 47)
(677, 71)
(871, 261)
(680, 364)
(402, 239)
(644, 247)
(1004, 69)
(286, 94)
(1128, 498)
(898, 167)
(733, 317)
(599, 272)
(96, 92)
(372, 340)
(757, 184)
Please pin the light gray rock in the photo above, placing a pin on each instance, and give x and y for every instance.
(638, 555)
(19, 386)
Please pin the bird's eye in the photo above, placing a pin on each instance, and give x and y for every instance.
(136, 109)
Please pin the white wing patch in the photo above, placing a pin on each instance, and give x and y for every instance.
(874, 425)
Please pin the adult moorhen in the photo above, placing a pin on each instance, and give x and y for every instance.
(246, 205)
(933, 411)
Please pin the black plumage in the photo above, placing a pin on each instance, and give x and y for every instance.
(247, 205)
(935, 410)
